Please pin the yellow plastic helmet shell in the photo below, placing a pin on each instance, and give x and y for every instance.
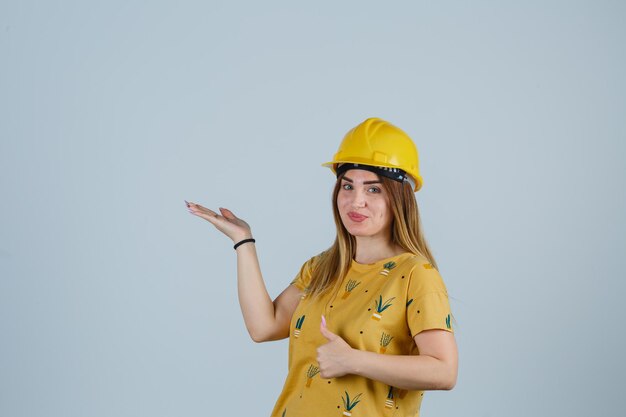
(377, 142)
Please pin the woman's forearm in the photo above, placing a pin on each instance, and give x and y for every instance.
(410, 372)
(256, 305)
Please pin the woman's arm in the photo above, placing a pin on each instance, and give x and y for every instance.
(265, 319)
(435, 368)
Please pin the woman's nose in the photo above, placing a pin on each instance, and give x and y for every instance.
(359, 200)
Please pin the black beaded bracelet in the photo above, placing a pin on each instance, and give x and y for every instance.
(242, 242)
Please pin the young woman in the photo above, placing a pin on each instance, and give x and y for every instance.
(368, 320)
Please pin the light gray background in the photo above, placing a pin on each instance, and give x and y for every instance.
(114, 301)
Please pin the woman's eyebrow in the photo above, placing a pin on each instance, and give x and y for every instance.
(364, 182)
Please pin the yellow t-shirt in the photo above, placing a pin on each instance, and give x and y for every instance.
(380, 308)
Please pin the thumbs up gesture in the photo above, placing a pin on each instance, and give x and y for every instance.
(333, 357)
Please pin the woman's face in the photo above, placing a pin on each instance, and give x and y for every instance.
(363, 204)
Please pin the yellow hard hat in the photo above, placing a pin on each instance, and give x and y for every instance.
(378, 143)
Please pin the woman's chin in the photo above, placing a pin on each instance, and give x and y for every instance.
(359, 232)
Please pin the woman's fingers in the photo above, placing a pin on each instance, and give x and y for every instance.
(203, 212)
(226, 223)
(200, 210)
(207, 214)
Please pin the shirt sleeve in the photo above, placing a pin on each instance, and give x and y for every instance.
(303, 279)
(427, 300)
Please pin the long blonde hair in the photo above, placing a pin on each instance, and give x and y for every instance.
(333, 264)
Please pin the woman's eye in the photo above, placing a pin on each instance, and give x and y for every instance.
(374, 190)
(346, 186)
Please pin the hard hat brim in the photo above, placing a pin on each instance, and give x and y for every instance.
(416, 183)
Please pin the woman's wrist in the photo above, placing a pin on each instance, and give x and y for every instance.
(241, 237)
(243, 242)
(354, 361)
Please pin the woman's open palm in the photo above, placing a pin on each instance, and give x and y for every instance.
(226, 222)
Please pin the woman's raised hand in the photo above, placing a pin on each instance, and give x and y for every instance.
(226, 222)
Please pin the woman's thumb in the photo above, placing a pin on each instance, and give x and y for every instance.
(227, 213)
(325, 332)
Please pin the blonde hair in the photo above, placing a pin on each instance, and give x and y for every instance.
(332, 265)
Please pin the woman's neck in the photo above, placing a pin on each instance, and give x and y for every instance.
(371, 249)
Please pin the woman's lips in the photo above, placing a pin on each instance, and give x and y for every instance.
(356, 217)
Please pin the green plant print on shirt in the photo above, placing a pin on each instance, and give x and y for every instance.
(387, 268)
(389, 401)
(380, 307)
(448, 324)
(352, 284)
(313, 370)
(298, 326)
(408, 303)
(385, 339)
(348, 404)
